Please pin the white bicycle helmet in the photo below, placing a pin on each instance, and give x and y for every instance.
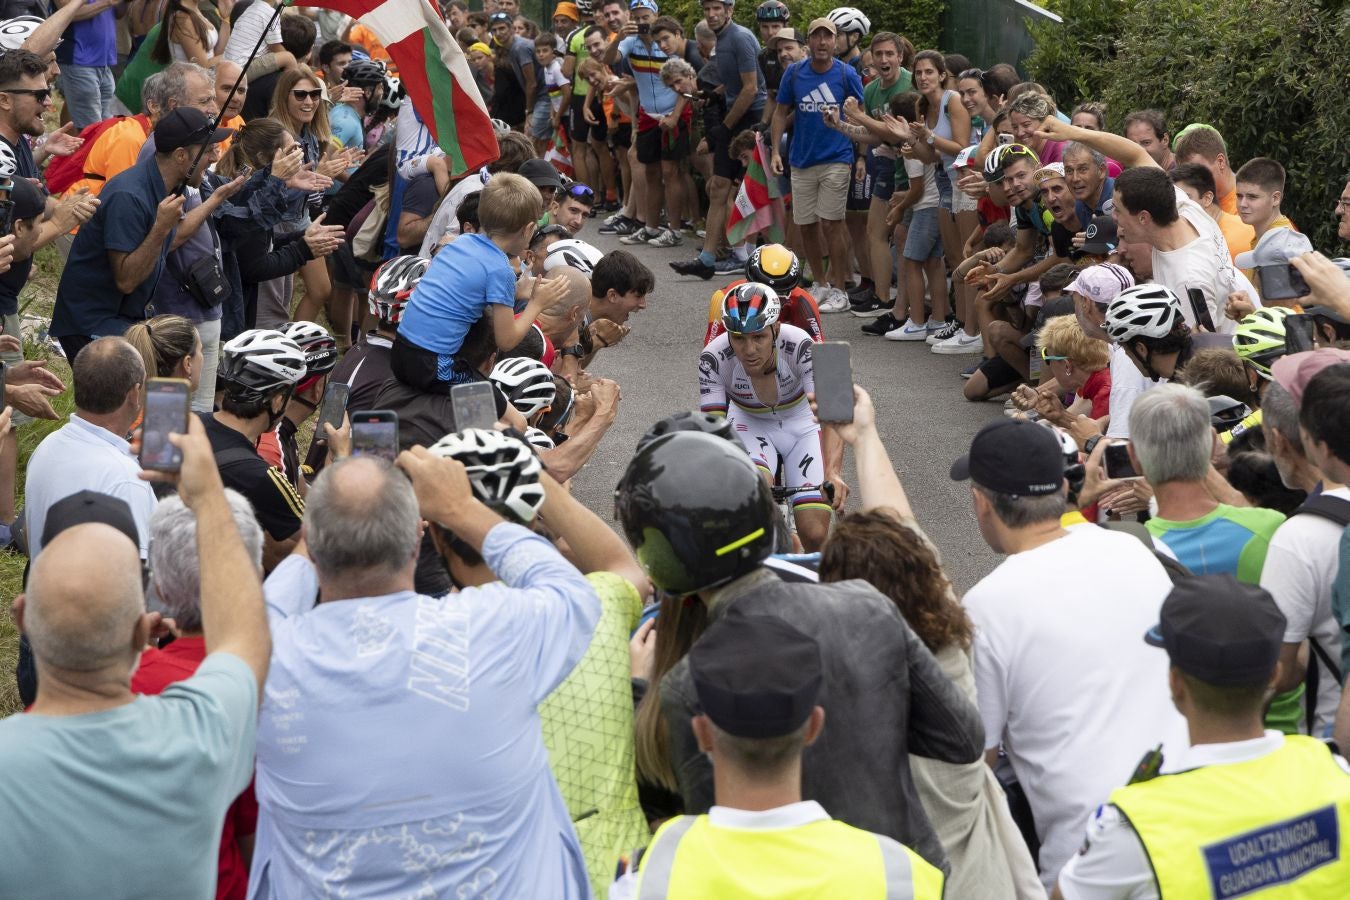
(393, 93)
(539, 439)
(260, 361)
(9, 164)
(1142, 311)
(503, 470)
(499, 127)
(13, 32)
(571, 252)
(850, 20)
(526, 382)
(321, 353)
(392, 286)
(1002, 155)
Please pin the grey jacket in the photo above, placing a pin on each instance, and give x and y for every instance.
(885, 696)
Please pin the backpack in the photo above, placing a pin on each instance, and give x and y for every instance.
(1337, 510)
(64, 171)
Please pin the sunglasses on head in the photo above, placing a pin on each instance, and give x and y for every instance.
(41, 95)
(977, 74)
(581, 193)
(307, 95)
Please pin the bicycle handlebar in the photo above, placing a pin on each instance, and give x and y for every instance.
(781, 493)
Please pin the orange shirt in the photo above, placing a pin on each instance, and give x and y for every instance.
(114, 151)
(360, 34)
(1228, 203)
(1236, 233)
(236, 123)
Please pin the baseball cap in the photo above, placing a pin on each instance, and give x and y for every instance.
(540, 173)
(1048, 171)
(29, 199)
(756, 676)
(1101, 283)
(1276, 247)
(1220, 631)
(1295, 371)
(567, 9)
(186, 126)
(822, 23)
(84, 507)
(1013, 456)
(787, 34)
(1100, 237)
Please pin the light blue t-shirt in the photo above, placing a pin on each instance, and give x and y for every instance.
(810, 93)
(400, 751)
(465, 278)
(86, 800)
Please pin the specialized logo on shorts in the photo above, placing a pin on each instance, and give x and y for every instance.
(819, 100)
(1276, 854)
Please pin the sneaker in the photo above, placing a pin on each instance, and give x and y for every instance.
(641, 236)
(945, 332)
(700, 233)
(668, 237)
(693, 266)
(832, 300)
(729, 266)
(870, 308)
(861, 292)
(908, 331)
(959, 343)
(882, 325)
(613, 220)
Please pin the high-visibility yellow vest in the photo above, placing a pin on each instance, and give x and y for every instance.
(1271, 827)
(691, 858)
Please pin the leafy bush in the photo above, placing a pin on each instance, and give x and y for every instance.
(1070, 59)
(1269, 74)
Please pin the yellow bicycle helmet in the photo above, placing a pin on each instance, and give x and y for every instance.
(776, 266)
(1259, 338)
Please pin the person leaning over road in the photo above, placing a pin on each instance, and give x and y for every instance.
(702, 522)
(1242, 810)
(95, 768)
(759, 682)
(821, 157)
(439, 715)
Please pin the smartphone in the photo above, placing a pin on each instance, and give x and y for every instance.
(474, 405)
(1299, 332)
(167, 406)
(1005, 138)
(244, 172)
(1200, 309)
(375, 433)
(1282, 282)
(332, 408)
(1117, 460)
(644, 28)
(833, 375)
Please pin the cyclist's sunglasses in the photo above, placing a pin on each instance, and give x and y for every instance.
(1051, 358)
(546, 232)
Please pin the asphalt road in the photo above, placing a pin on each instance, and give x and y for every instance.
(924, 421)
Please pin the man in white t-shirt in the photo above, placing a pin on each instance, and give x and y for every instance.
(256, 19)
(1189, 250)
(1303, 559)
(1062, 679)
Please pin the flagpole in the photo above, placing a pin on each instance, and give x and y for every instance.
(243, 73)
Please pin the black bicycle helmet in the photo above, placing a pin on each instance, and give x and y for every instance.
(364, 73)
(696, 512)
(772, 11)
(690, 420)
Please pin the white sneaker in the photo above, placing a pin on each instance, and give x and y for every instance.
(944, 331)
(833, 300)
(667, 238)
(641, 236)
(908, 332)
(959, 343)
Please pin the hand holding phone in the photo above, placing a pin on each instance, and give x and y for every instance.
(332, 408)
(167, 406)
(474, 405)
(1116, 458)
(833, 375)
(375, 433)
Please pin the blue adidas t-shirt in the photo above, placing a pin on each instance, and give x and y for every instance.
(809, 92)
(464, 279)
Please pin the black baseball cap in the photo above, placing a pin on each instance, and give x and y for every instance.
(1013, 456)
(84, 507)
(1100, 237)
(1220, 631)
(29, 199)
(756, 676)
(185, 126)
(540, 173)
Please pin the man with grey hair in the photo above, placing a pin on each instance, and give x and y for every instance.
(389, 713)
(1045, 619)
(175, 568)
(99, 769)
(1085, 171)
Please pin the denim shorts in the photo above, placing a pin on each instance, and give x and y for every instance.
(944, 186)
(881, 174)
(924, 240)
(541, 120)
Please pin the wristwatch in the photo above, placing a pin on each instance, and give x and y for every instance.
(575, 350)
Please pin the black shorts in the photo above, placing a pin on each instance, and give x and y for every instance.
(719, 141)
(859, 190)
(349, 271)
(658, 145)
(578, 128)
(621, 135)
(997, 373)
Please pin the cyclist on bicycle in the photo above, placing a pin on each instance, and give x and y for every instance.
(758, 374)
(779, 268)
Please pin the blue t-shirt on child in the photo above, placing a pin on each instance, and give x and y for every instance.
(464, 279)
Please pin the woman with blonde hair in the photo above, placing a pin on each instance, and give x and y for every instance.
(1079, 364)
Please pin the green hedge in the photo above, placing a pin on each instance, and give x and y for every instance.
(918, 20)
(1271, 75)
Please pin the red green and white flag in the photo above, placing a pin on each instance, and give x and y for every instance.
(759, 202)
(435, 74)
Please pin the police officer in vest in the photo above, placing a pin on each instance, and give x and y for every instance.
(758, 680)
(1247, 812)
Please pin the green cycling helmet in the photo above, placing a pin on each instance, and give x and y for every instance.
(1259, 338)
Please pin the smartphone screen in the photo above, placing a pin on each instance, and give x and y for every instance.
(833, 375)
(474, 405)
(1299, 331)
(375, 433)
(167, 402)
(332, 408)
(1200, 309)
(1117, 460)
